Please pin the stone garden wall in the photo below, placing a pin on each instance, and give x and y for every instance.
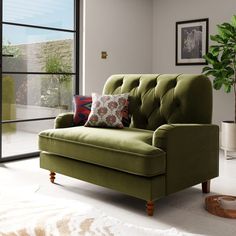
(30, 89)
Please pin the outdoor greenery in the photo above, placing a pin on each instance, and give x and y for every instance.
(9, 49)
(222, 58)
(8, 92)
(56, 89)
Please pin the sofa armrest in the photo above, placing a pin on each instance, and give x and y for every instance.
(192, 152)
(64, 120)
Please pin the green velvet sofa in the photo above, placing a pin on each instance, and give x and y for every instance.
(170, 144)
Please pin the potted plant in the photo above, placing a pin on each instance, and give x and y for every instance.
(222, 66)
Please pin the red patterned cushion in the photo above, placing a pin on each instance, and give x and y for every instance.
(107, 110)
(125, 115)
(82, 108)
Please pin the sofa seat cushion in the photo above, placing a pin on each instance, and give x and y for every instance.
(129, 150)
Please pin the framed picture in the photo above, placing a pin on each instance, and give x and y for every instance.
(191, 42)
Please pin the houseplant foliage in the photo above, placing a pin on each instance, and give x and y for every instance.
(9, 49)
(222, 66)
(222, 58)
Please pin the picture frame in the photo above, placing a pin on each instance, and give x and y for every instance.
(191, 42)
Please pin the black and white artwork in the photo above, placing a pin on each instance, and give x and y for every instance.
(191, 42)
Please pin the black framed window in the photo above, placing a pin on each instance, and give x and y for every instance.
(39, 72)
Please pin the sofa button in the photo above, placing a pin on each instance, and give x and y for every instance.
(177, 104)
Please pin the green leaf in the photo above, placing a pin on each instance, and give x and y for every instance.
(215, 46)
(222, 56)
(230, 71)
(217, 84)
(217, 65)
(227, 53)
(210, 58)
(206, 68)
(227, 88)
(215, 50)
(217, 38)
(224, 32)
(233, 21)
(212, 72)
(225, 62)
(228, 26)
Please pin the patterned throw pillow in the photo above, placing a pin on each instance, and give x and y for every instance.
(107, 110)
(82, 108)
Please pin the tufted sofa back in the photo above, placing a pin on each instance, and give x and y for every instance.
(157, 99)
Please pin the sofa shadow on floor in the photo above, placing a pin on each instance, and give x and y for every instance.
(116, 198)
(110, 197)
(131, 203)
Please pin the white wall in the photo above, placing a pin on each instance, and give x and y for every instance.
(165, 14)
(123, 28)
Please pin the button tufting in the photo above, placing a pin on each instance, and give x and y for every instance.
(174, 83)
(135, 83)
(140, 103)
(177, 103)
(154, 100)
(121, 82)
(152, 83)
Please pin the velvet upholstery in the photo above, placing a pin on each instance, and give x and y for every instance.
(145, 188)
(64, 120)
(170, 143)
(191, 151)
(164, 99)
(133, 151)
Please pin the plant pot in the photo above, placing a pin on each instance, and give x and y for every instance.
(228, 137)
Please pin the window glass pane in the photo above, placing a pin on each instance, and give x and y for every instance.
(21, 138)
(49, 13)
(27, 49)
(36, 96)
(32, 49)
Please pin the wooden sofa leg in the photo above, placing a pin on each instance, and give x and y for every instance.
(52, 176)
(150, 208)
(206, 186)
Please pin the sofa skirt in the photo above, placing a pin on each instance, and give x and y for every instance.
(146, 188)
